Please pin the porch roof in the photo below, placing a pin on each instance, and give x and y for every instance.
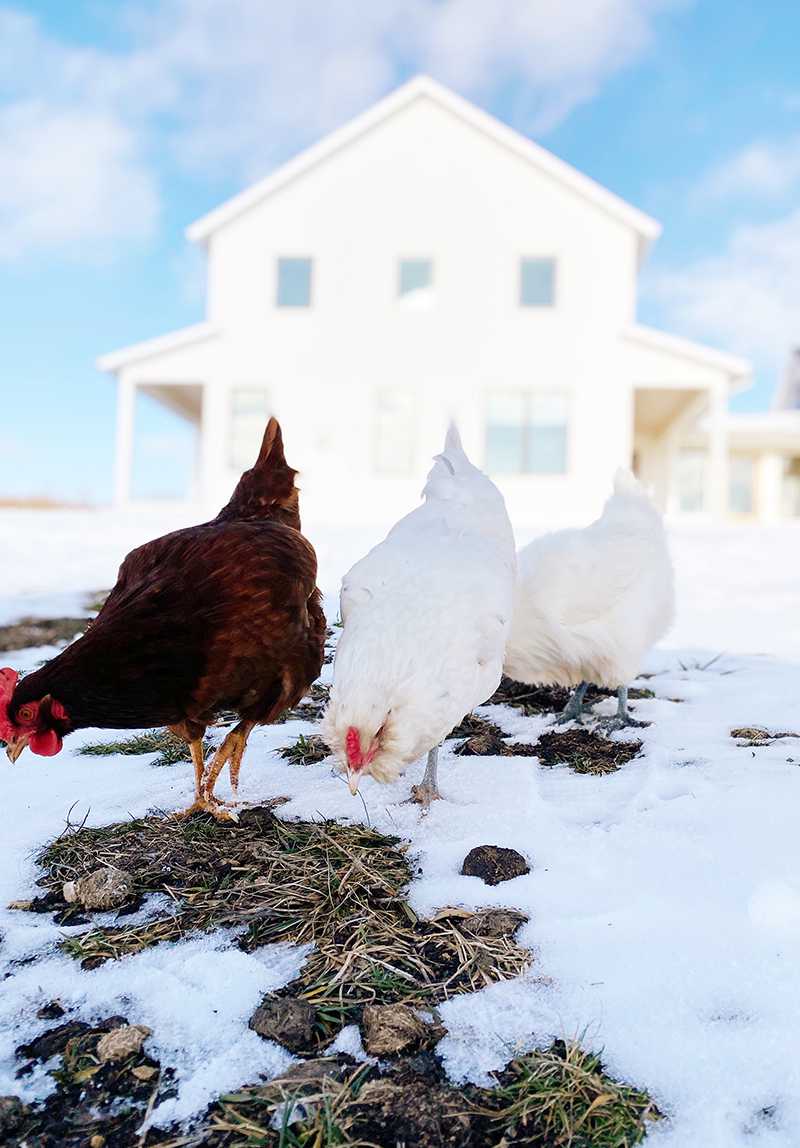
(174, 341)
(680, 352)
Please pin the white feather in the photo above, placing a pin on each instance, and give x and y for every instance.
(426, 615)
(590, 603)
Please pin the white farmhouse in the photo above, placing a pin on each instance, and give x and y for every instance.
(421, 263)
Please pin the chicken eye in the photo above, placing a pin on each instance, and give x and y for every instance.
(25, 713)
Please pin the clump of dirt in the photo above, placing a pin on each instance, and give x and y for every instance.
(392, 1029)
(105, 888)
(40, 632)
(756, 735)
(288, 1020)
(494, 864)
(306, 750)
(584, 751)
(552, 699)
(338, 887)
(491, 744)
(97, 1100)
(471, 724)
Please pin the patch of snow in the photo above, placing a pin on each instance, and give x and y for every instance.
(664, 899)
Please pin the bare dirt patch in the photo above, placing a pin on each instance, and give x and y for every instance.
(29, 632)
(584, 751)
(755, 735)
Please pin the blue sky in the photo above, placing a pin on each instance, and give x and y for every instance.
(121, 123)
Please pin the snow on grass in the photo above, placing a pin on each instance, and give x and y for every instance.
(664, 899)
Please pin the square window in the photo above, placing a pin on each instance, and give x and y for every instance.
(526, 433)
(537, 282)
(294, 282)
(414, 275)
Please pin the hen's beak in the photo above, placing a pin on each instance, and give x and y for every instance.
(353, 779)
(15, 747)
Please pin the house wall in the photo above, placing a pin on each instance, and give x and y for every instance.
(424, 183)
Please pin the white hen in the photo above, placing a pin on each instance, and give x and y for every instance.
(426, 616)
(590, 603)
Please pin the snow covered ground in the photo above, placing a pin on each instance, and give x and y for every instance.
(664, 899)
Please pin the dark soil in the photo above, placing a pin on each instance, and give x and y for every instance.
(552, 699)
(494, 864)
(90, 1099)
(584, 751)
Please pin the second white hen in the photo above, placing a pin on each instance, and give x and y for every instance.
(589, 603)
(426, 616)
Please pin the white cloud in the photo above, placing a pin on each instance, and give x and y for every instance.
(747, 297)
(764, 170)
(70, 179)
(230, 87)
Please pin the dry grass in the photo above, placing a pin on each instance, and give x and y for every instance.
(170, 749)
(340, 888)
(306, 750)
(585, 752)
(558, 1098)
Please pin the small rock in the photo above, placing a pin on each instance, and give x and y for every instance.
(105, 888)
(12, 1116)
(51, 1011)
(288, 1020)
(494, 863)
(21, 906)
(388, 1030)
(122, 1042)
(495, 923)
(52, 1042)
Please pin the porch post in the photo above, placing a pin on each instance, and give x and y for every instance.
(123, 457)
(718, 451)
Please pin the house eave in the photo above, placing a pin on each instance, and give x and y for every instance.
(647, 228)
(174, 340)
(738, 370)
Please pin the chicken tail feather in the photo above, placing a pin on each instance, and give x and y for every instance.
(267, 490)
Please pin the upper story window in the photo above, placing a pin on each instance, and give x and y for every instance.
(537, 282)
(249, 412)
(294, 282)
(394, 432)
(526, 433)
(414, 275)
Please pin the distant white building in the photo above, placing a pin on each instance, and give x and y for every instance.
(423, 262)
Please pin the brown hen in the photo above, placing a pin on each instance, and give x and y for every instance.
(225, 616)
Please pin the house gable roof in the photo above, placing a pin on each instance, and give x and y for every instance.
(647, 228)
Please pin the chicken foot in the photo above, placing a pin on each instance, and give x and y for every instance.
(201, 803)
(573, 710)
(428, 789)
(622, 719)
(229, 753)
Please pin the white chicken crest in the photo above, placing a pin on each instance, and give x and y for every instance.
(590, 603)
(426, 616)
